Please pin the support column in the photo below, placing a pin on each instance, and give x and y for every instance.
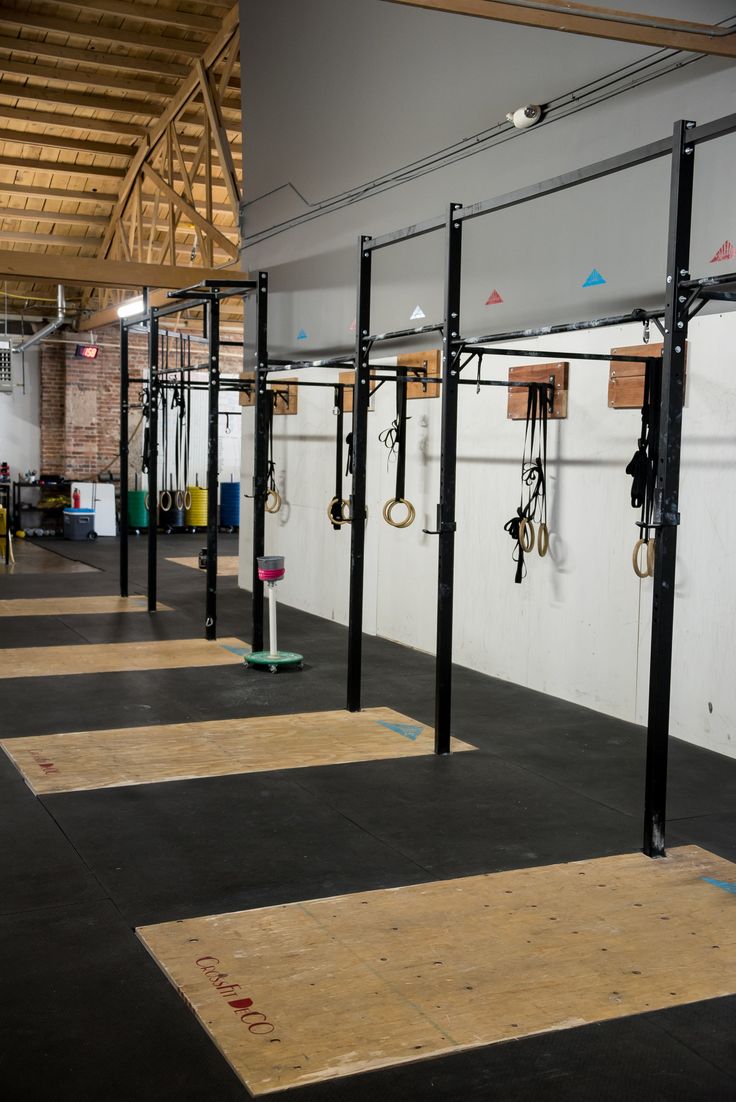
(446, 524)
(361, 401)
(212, 311)
(666, 515)
(152, 458)
(260, 456)
(124, 430)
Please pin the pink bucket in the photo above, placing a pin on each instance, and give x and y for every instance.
(271, 567)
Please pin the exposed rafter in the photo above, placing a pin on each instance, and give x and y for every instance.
(119, 141)
(585, 19)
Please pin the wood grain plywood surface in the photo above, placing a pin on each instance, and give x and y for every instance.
(311, 991)
(74, 606)
(215, 748)
(88, 658)
(227, 565)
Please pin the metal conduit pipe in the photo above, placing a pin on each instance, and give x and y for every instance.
(629, 18)
(52, 326)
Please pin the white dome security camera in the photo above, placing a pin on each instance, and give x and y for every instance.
(525, 116)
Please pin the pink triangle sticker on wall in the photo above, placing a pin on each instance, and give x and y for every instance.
(494, 298)
(353, 325)
(726, 252)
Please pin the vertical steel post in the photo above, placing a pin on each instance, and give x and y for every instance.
(666, 515)
(124, 429)
(212, 310)
(446, 523)
(153, 352)
(361, 401)
(260, 455)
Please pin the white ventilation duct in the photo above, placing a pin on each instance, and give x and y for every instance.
(51, 327)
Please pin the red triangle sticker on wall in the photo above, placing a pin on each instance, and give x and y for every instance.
(494, 298)
(726, 252)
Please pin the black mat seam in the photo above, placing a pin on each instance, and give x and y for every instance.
(72, 628)
(83, 861)
(359, 826)
(678, 1040)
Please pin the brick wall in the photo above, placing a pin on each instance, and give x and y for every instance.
(80, 418)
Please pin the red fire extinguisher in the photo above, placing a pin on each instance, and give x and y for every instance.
(76, 500)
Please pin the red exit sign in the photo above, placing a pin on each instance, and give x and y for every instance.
(87, 351)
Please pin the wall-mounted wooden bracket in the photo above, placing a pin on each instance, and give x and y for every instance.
(427, 364)
(558, 373)
(248, 397)
(286, 397)
(348, 377)
(626, 378)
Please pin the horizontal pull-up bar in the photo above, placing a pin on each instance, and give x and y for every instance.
(567, 327)
(420, 380)
(218, 288)
(307, 382)
(394, 334)
(177, 307)
(546, 355)
(300, 365)
(504, 382)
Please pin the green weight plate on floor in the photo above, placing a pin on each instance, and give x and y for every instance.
(283, 660)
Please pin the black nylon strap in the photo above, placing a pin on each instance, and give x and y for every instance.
(533, 493)
(336, 510)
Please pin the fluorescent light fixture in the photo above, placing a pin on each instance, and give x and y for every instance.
(132, 307)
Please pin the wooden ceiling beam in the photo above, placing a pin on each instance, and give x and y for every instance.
(100, 58)
(60, 141)
(29, 214)
(38, 93)
(77, 122)
(78, 271)
(148, 13)
(88, 80)
(95, 32)
(190, 212)
(33, 164)
(595, 22)
(23, 237)
(32, 190)
(220, 138)
(158, 130)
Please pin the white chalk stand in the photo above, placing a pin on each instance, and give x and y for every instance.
(271, 570)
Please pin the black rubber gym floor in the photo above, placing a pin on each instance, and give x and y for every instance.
(86, 1014)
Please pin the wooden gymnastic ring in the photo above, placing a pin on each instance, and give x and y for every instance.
(341, 519)
(162, 495)
(179, 499)
(147, 502)
(389, 508)
(187, 500)
(635, 558)
(526, 535)
(275, 498)
(542, 540)
(651, 546)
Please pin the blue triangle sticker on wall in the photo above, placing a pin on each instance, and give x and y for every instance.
(408, 730)
(301, 335)
(594, 279)
(727, 885)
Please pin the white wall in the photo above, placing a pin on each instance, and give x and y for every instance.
(578, 626)
(20, 432)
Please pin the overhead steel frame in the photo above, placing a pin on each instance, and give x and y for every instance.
(206, 295)
(683, 299)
